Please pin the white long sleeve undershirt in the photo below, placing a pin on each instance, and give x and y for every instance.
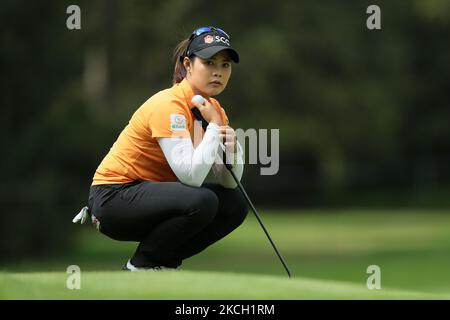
(191, 166)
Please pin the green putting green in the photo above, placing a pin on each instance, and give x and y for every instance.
(189, 285)
(328, 253)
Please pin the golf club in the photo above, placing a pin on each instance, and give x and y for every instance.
(198, 116)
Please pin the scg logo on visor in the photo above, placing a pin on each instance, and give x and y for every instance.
(217, 39)
(223, 40)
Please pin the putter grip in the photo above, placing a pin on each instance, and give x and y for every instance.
(198, 116)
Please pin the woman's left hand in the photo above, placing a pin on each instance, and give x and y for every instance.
(228, 137)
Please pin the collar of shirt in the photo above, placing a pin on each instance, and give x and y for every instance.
(184, 91)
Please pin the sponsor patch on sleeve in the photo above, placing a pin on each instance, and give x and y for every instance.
(177, 122)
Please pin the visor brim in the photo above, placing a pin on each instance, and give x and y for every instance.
(207, 53)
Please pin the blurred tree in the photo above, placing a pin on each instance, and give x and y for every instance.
(357, 109)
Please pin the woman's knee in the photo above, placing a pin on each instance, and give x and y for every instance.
(203, 203)
(240, 206)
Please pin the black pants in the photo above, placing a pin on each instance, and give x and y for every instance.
(170, 220)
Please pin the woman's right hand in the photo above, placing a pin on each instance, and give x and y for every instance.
(209, 113)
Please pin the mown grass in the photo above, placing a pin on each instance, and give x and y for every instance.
(321, 247)
(189, 285)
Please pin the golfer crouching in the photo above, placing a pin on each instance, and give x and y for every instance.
(157, 185)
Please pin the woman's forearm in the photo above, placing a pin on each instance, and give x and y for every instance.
(191, 166)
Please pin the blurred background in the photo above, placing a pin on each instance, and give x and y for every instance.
(363, 118)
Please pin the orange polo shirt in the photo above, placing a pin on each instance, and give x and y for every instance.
(136, 154)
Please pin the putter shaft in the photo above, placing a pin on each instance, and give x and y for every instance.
(198, 116)
(260, 222)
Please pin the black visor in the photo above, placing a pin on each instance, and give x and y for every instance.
(208, 44)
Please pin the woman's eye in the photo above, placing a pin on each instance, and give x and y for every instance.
(210, 63)
(226, 65)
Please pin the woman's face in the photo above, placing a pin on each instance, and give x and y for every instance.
(209, 77)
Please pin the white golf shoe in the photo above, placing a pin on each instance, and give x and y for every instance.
(130, 267)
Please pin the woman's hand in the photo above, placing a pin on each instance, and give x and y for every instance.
(209, 113)
(228, 136)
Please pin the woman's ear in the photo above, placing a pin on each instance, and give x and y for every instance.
(187, 64)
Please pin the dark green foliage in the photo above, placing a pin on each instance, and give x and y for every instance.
(359, 111)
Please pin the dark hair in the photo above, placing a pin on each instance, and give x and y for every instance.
(179, 72)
